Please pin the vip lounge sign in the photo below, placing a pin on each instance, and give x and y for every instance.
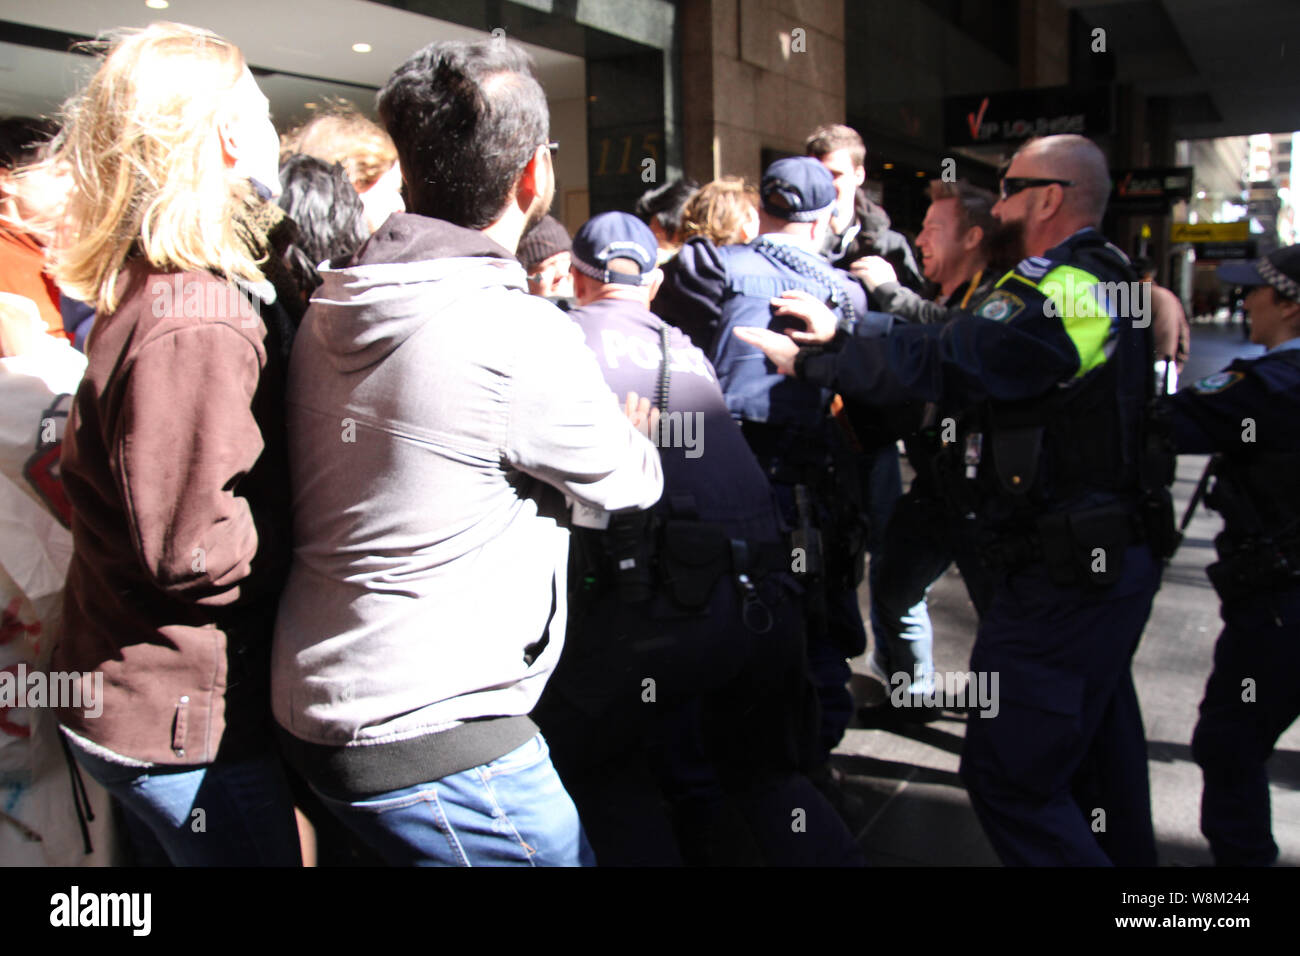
(1013, 116)
(1150, 190)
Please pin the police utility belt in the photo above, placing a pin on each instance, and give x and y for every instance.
(1075, 547)
(669, 551)
(640, 555)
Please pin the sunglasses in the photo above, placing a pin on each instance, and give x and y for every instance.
(1013, 184)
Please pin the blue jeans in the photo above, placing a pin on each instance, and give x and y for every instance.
(921, 541)
(900, 620)
(512, 811)
(222, 814)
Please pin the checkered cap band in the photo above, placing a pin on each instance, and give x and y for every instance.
(1279, 280)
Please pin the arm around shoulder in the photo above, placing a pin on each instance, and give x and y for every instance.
(690, 297)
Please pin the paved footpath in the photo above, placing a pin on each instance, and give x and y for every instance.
(916, 811)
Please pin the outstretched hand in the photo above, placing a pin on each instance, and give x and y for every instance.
(812, 311)
(778, 347)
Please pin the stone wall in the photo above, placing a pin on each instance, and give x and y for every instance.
(757, 74)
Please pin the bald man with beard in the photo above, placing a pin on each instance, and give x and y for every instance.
(1054, 363)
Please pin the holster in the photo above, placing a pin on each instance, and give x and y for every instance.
(1255, 567)
(693, 555)
(629, 543)
(844, 538)
(1160, 525)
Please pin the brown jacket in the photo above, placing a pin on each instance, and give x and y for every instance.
(174, 463)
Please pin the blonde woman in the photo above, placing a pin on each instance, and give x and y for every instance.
(724, 211)
(174, 456)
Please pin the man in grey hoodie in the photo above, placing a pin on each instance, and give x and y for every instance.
(438, 418)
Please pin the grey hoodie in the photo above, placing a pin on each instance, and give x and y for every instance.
(436, 412)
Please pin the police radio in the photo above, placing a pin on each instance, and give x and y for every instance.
(630, 538)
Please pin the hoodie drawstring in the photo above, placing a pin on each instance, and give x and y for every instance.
(85, 813)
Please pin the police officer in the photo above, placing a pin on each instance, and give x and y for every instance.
(1248, 416)
(696, 598)
(1058, 364)
(787, 423)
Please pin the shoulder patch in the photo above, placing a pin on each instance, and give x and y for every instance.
(1000, 306)
(1218, 382)
(1117, 251)
(1035, 267)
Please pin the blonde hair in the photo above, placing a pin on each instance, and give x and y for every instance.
(143, 145)
(338, 133)
(719, 210)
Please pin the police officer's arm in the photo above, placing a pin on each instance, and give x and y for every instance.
(821, 325)
(968, 359)
(1212, 417)
(690, 296)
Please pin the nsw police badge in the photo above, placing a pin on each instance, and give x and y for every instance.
(1000, 306)
(1218, 382)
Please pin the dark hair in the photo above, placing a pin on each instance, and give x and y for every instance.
(319, 198)
(23, 140)
(665, 204)
(547, 238)
(825, 140)
(466, 118)
(1144, 266)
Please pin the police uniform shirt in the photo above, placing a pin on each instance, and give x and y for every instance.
(704, 454)
(1251, 406)
(690, 297)
(708, 291)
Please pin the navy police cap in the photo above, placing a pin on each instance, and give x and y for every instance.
(797, 189)
(1280, 269)
(615, 235)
